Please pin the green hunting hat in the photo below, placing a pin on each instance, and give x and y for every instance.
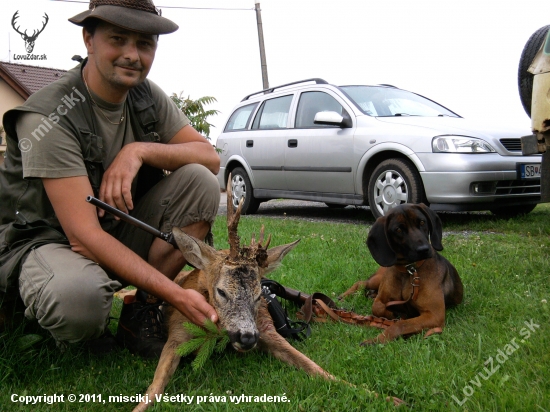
(136, 15)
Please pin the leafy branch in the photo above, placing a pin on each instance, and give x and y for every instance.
(195, 111)
(205, 340)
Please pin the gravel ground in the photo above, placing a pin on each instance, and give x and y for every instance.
(359, 215)
(310, 211)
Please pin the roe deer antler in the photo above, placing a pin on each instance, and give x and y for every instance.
(253, 252)
(233, 222)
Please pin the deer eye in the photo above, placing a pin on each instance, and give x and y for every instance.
(221, 293)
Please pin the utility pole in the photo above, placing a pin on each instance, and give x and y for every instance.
(261, 41)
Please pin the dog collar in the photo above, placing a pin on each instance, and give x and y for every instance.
(415, 281)
(410, 268)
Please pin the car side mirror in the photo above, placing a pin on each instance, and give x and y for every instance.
(332, 119)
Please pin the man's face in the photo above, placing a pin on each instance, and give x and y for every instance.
(121, 57)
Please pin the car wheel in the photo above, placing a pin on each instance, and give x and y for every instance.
(242, 188)
(525, 79)
(513, 211)
(392, 183)
(335, 205)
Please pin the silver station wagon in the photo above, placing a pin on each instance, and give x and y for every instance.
(379, 146)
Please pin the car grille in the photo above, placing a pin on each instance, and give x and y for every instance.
(518, 187)
(512, 145)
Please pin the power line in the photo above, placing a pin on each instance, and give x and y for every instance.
(166, 7)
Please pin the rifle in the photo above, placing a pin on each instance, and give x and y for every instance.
(168, 237)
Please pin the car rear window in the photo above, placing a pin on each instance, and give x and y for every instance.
(240, 119)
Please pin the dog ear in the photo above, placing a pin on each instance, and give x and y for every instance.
(378, 245)
(436, 228)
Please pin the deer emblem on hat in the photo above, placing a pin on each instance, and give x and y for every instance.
(29, 40)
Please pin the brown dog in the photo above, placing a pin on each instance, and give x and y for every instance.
(414, 281)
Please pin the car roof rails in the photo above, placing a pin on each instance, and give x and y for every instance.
(271, 89)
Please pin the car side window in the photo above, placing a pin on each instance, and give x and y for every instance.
(312, 103)
(240, 119)
(273, 114)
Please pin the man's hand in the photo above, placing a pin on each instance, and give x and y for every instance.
(195, 307)
(117, 180)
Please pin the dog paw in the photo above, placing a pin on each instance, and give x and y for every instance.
(433, 331)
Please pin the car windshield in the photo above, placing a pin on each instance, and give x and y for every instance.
(383, 101)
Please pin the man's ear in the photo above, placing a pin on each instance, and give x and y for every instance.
(197, 253)
(87, 37)
(378, 245)
(275, 256)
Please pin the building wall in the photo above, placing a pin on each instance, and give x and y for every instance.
(8, 98)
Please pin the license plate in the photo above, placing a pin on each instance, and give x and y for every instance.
(528, 171)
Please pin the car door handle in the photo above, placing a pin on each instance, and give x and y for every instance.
(293, 143)
(250, 143)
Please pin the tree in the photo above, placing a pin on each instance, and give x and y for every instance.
(195, 111)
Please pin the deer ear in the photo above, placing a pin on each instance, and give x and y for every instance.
(275, 256)
(197, 253)
(378, 245)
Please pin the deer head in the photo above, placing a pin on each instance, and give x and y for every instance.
(231, 278)
(29, 40)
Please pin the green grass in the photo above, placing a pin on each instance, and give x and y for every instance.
(505, 267)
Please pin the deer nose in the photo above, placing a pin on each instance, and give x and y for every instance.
(246, 341)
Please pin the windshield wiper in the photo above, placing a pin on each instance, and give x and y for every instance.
(403, 114)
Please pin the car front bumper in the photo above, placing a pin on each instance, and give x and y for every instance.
(478, 178)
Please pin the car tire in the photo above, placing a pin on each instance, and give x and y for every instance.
(525, 79)
(335, 205)
(393, 182)
(241, 187)
(513, 211)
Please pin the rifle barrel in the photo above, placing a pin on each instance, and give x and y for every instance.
(132, 220)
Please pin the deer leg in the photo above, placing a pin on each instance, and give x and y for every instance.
(168, 361)
(166, 367)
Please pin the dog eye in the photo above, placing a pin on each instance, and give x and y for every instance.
(422, 222)
(398, 230)
(221, 293)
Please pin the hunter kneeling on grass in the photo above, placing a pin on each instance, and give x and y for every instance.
(63, 257)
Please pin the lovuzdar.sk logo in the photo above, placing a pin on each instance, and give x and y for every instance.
(29, 39)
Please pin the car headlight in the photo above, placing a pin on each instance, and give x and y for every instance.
(460, 144)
